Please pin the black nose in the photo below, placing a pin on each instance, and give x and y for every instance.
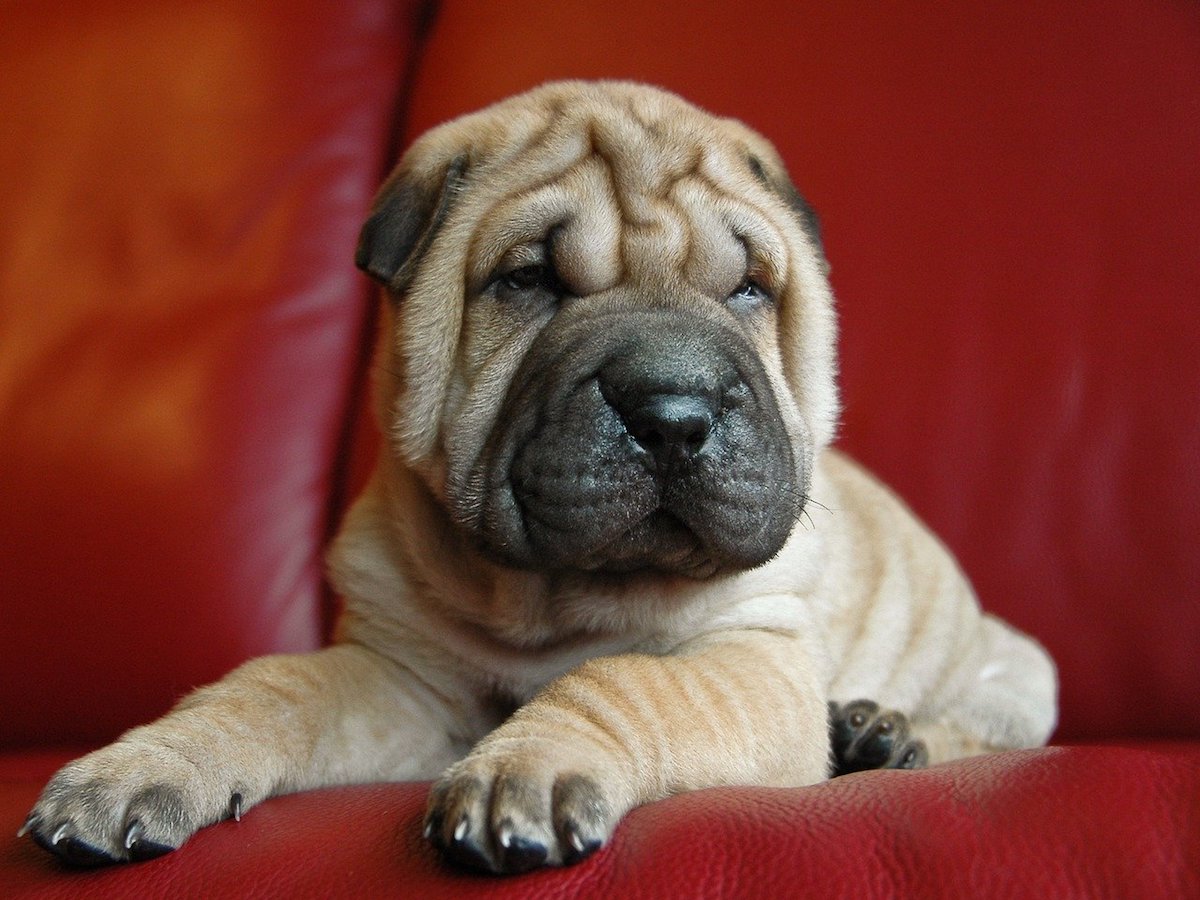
(672, 427)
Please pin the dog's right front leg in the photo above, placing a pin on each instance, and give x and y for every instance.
(275, 725)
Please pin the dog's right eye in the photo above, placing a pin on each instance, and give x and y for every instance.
(529, 277)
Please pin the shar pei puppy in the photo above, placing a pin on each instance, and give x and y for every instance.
(607, 554)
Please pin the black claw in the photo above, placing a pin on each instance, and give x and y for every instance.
(915, 756)
(139, 847)
(235, 807)
(142, 850)
(521, 854)
(875, 748)
(71, 850)
(845, 724)
(30, 825)
(463, 850)
(576, 848)
(433, 829)
(133, 833)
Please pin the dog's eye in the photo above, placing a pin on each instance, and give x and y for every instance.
(748, 294)
(529, 277)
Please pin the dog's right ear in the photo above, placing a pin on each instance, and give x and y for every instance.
(783, 186)
(404, 218)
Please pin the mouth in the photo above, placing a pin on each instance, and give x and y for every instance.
(660, 542)
(698, 524)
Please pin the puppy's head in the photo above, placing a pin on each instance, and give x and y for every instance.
(609, 345)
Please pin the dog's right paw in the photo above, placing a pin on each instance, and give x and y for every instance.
(863, 736)
(133, 800)
(509, 811)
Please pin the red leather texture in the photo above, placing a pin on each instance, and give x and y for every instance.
(1010, 197)
(180, 321)
(977, 828)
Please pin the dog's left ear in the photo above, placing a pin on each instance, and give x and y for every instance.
(782, 185)
(404, 218)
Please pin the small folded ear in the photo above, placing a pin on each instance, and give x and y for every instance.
(405, 216)
(782, 185)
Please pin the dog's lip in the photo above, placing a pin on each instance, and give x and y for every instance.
(589, 559)
(688, 557)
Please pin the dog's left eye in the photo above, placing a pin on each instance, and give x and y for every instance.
(748, 294)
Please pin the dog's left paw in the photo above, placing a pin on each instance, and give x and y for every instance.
(863, 736)
(514, 811)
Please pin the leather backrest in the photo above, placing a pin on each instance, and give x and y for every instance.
(180, 327)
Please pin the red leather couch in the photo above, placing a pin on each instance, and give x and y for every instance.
(1011, 203)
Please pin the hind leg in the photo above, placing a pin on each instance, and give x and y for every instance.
(863, 736)
(1005, 699)
(1006, 702)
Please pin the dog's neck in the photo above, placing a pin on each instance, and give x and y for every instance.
(519, 607)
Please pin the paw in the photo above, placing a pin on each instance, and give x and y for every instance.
(865, 737)
(131, 801)
(512, 812)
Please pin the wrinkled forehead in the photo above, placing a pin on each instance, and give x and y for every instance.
(635, 188)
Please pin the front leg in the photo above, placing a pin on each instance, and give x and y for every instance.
(548, 786)
(275, 725)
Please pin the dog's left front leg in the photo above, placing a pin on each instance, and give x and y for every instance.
(548, 786)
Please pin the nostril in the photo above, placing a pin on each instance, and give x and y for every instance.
(649, 438)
